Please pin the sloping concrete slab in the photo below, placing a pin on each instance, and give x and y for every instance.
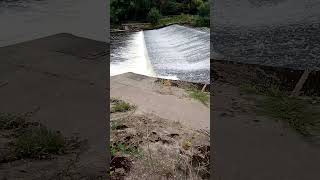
(143, 92)
(68, 90)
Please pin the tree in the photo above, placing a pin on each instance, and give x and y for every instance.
(154, 16)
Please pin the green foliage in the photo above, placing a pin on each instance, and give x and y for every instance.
(38, 143)
(154, 16)
(204, 9)
(202, 22)
(137, 10)
(123, 149)
(196, 94)
(294, 111)
(120, 106)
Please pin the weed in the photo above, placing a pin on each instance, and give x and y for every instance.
(179, 19)
(116, 125)
(120, 106)
(39, 143)
(296, 112)
(125, 150)
(196, 94)
(249, 88)
(273, 90)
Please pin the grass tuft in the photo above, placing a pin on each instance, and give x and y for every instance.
(39, 143)
(198, 95)
(123, 149)
(295, 111)
(120, 106)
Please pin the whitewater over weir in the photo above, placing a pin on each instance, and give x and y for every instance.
(173, 52)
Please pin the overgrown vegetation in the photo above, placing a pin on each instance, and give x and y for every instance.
(28, 139)
(299, 113)
(295, 111)
(120, 149)
(154, 16)
(151, 10)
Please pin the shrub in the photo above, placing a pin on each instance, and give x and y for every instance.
(204, 10)
(39, 143)
(203, 21)
(154, 16)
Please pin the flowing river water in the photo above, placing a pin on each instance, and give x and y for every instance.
(173, 52)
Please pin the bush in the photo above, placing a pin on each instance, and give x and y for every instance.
(203, 21)
(204, 10)
(154, 16)
(39, 143)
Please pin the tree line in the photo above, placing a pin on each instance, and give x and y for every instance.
(152, 10)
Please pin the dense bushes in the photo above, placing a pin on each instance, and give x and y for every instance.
(154, 16)
(138, 10)
(204, 15)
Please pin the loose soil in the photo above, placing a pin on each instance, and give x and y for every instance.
(146, 146)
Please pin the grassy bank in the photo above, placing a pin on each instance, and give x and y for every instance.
(183, 19)
(300, 113)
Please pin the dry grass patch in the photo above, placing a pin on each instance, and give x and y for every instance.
(150, 147)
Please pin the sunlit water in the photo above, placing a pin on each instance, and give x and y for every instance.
(173, 52)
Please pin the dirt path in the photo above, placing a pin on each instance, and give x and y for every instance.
(251, 147)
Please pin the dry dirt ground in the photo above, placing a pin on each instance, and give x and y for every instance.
(145, 145)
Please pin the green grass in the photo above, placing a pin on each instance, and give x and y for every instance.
(273, 90)
(120, 106)
(125, 150)
(179, 19)
(38, 143)
(192, 20)
(198, 95)
(298, 113)
(249, 88)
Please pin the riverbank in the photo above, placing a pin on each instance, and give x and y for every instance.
(150, 137)
(268, 128)
(183, 19)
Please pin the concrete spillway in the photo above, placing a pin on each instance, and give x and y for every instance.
(174, 52)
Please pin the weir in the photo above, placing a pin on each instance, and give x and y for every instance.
(174, 52)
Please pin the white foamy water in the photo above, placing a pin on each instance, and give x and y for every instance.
(173, 52)
(135, 57)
